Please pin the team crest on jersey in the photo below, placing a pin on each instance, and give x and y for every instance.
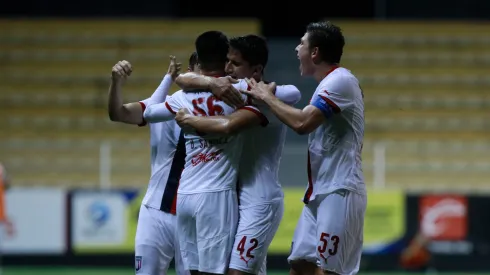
(137, 262)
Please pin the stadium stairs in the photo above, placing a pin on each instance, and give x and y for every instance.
(426, 85)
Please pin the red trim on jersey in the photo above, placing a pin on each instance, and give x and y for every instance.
(169, 108)
(216, 75)
(332, 104)
(263, 119)
(143, 108)
(332, 69)
(309, 191)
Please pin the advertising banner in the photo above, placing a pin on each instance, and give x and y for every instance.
(384, 223)
(443, 220)
(104, 221)
(38, 217)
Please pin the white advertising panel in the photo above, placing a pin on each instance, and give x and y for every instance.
(38, 216)
(99, 219)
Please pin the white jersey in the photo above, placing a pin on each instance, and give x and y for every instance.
(167, 162)
(262, 152)
(334, 153)
(212, 161)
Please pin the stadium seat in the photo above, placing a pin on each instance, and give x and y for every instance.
(425, 83)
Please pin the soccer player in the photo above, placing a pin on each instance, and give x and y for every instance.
(207, 208)
(155, 244)
(260, 194)
(329, 232)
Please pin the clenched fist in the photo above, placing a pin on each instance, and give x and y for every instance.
(121, 70)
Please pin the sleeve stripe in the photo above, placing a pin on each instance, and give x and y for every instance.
(169, 108)
(332, 104)
(263, 119)
(143, 108)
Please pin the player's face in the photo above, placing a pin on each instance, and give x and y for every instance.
(238, 68)
(306, 65)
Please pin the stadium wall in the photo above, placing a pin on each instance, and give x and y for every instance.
(96, 228)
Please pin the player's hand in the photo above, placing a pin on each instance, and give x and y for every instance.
(223, 89)
(174, 67)
(121, 70)
(182, 117)
(260, 90)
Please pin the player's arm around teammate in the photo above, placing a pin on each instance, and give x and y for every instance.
(221, 87)
(237, 121)
(132, 113)
(302, 121)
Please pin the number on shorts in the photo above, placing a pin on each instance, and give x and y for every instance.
(213, 109)
(241, 246)
(324, 238)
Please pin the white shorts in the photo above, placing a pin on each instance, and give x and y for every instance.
(330, 232)
(156, 243)
(207, 224)
(256, 229)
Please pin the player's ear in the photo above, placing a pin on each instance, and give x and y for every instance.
(258, 71)
(315, 55)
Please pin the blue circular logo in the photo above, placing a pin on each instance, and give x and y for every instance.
(99, 213)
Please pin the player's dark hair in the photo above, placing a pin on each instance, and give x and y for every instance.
(253, 49)
(329, 40)
(212, 48)
(193, 61)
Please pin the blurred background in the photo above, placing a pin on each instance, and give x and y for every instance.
(77, 179)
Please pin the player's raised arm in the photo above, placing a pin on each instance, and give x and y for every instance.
(163, 89)
(132, 113)
(302, 121)
(221, 87)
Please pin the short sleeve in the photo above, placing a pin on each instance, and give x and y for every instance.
(143, 104)
(242, 85)
(163, 111)
(174, 102)
(263, 119)
(333, 97)
(288, 94)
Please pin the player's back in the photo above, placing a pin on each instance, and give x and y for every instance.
(259, 163)
(212, 161)
(167, 161)
(335, 148)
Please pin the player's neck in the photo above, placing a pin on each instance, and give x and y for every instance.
(213, 73)
(323, 70)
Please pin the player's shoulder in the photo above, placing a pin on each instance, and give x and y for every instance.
(177, 94)
(341, 79)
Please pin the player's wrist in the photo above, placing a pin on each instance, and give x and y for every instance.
(210, 83)
(268, 98)
(116, 80)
